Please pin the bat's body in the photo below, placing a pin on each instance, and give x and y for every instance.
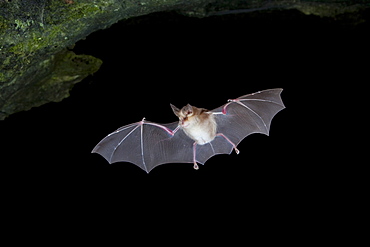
(198, 135)
(197, 123)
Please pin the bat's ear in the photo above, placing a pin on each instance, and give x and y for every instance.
(175, 110)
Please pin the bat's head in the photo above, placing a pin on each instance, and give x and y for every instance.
(185, 115)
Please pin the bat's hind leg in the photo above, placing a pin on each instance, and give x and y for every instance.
(233, 144)
(196, 167)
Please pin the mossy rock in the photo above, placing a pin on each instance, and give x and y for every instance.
(36, 66)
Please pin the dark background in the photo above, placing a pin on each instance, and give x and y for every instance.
(152, 61)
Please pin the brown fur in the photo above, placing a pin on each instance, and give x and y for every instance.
(198, 123)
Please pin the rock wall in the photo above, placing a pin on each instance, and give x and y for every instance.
(37, 67)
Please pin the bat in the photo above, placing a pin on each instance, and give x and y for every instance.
(198, 135)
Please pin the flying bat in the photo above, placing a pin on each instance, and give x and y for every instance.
(197, 136)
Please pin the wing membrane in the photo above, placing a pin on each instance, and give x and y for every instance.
(146, 144)
(248, 114)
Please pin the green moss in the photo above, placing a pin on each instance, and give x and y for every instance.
(326, 9)
(25, 41)
(41, 35)
(74, 12)
(82, 10)
(3, 24)
(2, 76)
(37, 41)
(69, 69)
(70, 64)
(23, 25)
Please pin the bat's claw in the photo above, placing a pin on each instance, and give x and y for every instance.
(196, 167)
(236, 151)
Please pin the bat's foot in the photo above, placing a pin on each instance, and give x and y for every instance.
(227, 139)
(196, 167)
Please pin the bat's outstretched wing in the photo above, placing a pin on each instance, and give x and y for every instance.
(239, 118)
(147, 145)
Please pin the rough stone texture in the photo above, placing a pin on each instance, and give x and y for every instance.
(36, 67)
